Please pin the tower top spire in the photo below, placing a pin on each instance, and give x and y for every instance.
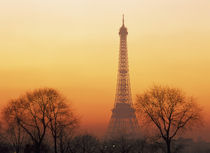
(123, 20)
(123, 29)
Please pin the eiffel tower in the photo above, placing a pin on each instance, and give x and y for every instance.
(123, 121)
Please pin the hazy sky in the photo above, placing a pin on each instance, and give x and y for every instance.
(73, 45)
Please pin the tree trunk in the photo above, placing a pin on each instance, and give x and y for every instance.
(55, 144)
(61, 144)
(37, 148)
(168, 143)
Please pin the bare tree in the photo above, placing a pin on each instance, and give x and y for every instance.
(38, 113)
(123, 145)
(65, 138)
(170, 111)
(11, 132)
(30, 113)
(107, 146)
(60, 118)
(84, 144)
(13, 135)
(139, 145)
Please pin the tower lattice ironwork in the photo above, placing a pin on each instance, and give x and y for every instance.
(123, 121)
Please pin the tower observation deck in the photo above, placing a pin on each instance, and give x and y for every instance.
(123, 121)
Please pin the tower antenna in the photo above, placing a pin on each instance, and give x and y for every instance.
(123, 20)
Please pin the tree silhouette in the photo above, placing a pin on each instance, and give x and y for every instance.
(170, 111)
(60, 118)
(123, 145)
(39, 112)
(30, 112)
(84, 144)
(13, 134)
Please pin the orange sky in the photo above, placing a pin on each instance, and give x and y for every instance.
(72, 45)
